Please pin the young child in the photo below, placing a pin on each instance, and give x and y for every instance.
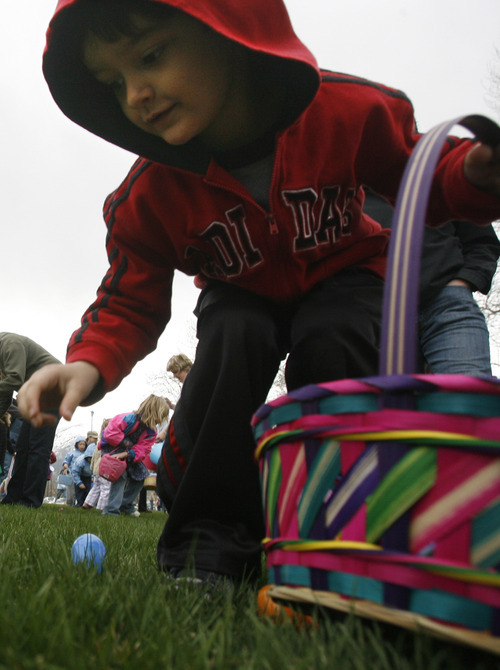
(99, 493)
(70, 460)
(250, 177)
(82, 475)
(179, 365)
(130, 437)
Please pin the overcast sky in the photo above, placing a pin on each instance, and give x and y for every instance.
(55, 175)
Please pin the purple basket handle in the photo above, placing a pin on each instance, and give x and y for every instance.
(398, 354)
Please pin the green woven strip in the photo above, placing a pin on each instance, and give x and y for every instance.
(355, 586)
(273, 486)
(406, 483)
(446, 607)
(345, 404)
(298, 575)
(485, 540)
(285, 413)
(452, 609)
(321, 479)
(473, 404)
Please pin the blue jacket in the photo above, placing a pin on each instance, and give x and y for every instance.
(72, 456)
(81, 466)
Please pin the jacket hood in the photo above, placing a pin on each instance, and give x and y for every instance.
(80, 439)
(89, 451)
(262, 26)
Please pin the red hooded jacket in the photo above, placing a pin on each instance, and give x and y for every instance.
(179, 209)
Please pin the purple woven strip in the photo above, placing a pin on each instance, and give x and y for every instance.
(399, 332)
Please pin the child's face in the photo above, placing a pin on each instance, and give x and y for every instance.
(181, 376)
(178, 80)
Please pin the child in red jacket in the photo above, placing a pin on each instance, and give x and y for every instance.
(251, 173)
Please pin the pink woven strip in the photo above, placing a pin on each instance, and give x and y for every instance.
(356, 527)
(294, 473)
(377, 566)
(463, 384)
(392, 420)
(464, 487)
(350, 452)
(459, 383)
(456, 544)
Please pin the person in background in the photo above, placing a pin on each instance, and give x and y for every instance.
(52, 460)
(20, 358)
(61, 488)
(82, 474)
(92, 437)
(99, 493)
(69, 460)
(4, 441)
(131, 437)
(458, 258)
(179, 365)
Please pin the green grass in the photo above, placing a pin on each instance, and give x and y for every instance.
(55, 615)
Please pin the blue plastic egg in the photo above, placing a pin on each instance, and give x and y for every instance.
(156, 452)
(89, 549)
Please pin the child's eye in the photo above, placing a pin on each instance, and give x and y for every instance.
(116, 86)
(152, 56)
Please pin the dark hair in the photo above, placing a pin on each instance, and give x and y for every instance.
(109, 20)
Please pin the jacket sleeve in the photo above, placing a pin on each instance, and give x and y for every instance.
(386, 142)
(13, 371)
(76, 473)
(481, 250)
(133, 303)
(144, 445)
(115, 431)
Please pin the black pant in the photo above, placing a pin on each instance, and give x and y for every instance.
(31, 467)
(207, 475)
(81, 494)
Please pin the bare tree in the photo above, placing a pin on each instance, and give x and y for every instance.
(493, 86)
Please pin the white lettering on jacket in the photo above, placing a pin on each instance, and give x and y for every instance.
(318, 221)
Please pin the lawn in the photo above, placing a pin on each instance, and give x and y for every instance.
(55, 615)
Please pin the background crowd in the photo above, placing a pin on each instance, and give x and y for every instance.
(129, 437)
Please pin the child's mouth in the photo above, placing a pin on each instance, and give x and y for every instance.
(158, 118)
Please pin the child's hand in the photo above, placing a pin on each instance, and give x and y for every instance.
(54, 387)
(482, 168)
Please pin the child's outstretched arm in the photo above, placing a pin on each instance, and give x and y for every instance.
(56, 387)
(482, 168)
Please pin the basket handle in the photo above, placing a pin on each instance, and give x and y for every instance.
(398, 353)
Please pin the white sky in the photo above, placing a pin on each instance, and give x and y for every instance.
(55, 175)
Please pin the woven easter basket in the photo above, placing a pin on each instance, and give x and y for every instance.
(382, 495)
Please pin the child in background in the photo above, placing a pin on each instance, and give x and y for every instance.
(131, 437)
(61, 488)
(82, 475)
(179, 365)
(251, 173)
(69, 461)
(99, 493)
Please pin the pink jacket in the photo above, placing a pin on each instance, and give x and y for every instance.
(119, 428)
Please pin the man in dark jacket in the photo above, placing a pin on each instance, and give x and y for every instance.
(20, 357)
(458, 258)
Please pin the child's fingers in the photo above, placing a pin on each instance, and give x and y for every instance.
(482, 167)
(41, 393)
(70, 402)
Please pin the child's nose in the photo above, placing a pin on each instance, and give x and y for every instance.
(138, 94)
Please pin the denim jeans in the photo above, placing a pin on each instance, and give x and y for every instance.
(122, 495)
(454, 337)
